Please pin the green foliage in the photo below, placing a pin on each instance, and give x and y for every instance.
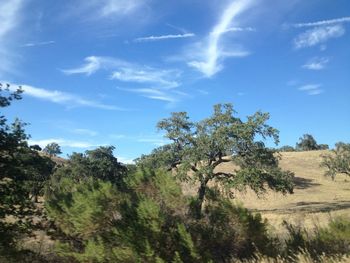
(332, 240)
(52, 149)
(99, 163)
(142, 222)
(339, 161)
(23, 173)
(307, 143)
(227, 232)
(199, 147)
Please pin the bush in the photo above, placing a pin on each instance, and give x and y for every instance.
(332, 241)
(227, 232)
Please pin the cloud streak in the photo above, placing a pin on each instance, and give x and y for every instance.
(316, 63)
(324, 22)
(93, 64)
(127, 72)
(311, 89)
(36, 44)
(318, 35)
(163, 37)
(212, 55)
(165, 79)
(63, 98)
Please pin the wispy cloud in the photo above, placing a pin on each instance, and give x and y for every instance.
(35, 44)
(240, 29)
(84, 132)
(311, 89)
(158, 77)
(64, 143)
(324, 22)
(161, 83)
(109, 9)
(93, 64)
(128, 72)
(64, 98)
(318, 35)
(9, 20)
(212, 54)
(163, 37)
(316, 63)
(119, 7)
(170, 96)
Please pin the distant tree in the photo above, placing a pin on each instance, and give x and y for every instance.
(338, 162)
(287, 148)
(36, 147)
(199, 147)
(52, 149)
(99, 163)
(307, 143)
(323, 147)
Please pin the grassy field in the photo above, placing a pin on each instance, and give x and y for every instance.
(315, 200)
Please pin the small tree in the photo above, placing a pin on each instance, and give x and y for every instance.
(199, 147)
(307, 143)
(287, 148)
(339, 161)
(52, 149)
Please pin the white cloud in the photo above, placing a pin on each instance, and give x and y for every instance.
(311, 89)
(316, 63)
(93, 64)
(315, 92)
(63, 98)
(209, 62)
(324, 22)
(35, 44)
(9, 16)
(128, 72)
(119, 7)
(160, 78)
(240, 29)
(64, 143)
(157, 94)
(84, 132)
(108, 9)
(125, 160)
(162, 81)
(9, 20)
(318, 35)
(163, 37)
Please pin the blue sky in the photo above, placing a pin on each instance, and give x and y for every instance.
(104, 72)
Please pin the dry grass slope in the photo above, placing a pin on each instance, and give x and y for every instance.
(316, 198)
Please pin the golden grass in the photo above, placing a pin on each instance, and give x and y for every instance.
(315, 200)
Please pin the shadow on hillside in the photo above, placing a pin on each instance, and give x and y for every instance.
(311, 207)
(303, 183)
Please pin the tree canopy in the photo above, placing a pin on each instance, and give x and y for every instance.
(52, 149)
(338, 162)
(307, 143)
(199, 147)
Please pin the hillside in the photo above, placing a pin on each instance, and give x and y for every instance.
(315, 197)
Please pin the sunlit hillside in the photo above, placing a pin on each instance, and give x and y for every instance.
(316, 198)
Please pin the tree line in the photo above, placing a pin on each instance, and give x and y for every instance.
(97, 209)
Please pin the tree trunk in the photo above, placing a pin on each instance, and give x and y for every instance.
(201, 195)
